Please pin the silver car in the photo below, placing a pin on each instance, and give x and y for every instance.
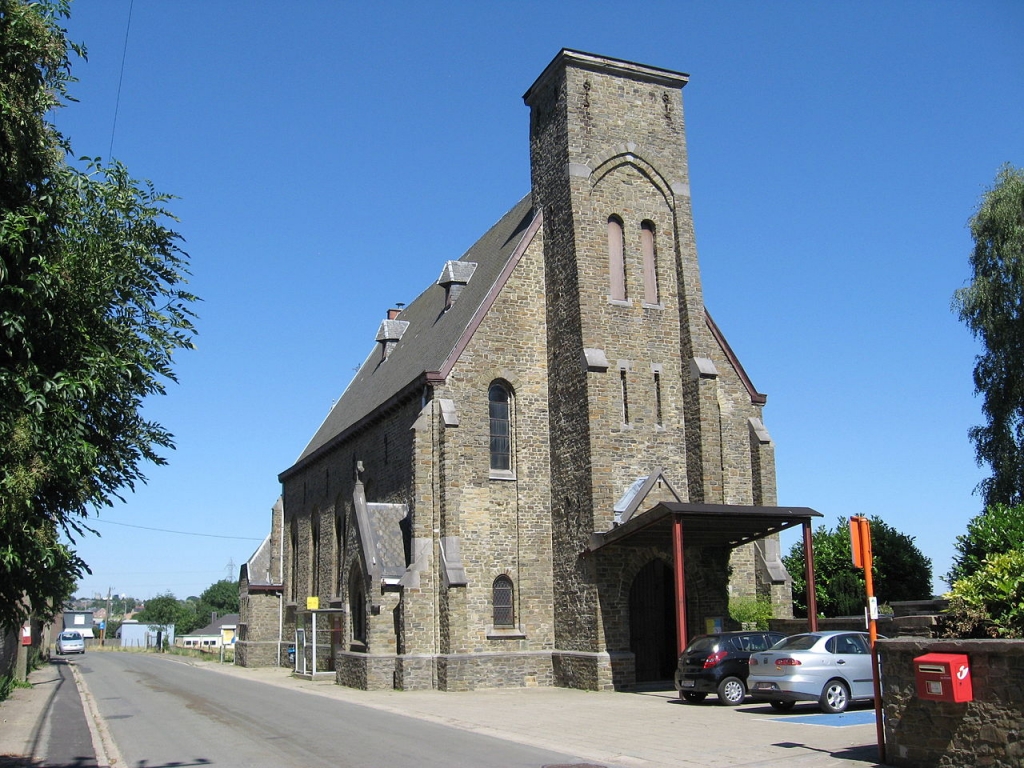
(832, 668)
(70, 642)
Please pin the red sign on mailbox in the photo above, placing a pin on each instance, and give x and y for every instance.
(944, 677)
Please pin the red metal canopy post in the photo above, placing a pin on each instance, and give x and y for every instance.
(680, 582)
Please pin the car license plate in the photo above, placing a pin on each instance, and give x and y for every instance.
(762, 686)
(687, 683)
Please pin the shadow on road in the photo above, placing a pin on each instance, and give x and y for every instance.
(7, 761)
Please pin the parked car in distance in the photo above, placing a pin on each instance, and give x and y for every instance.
(70, 642)
(832, 668)
(718, 664)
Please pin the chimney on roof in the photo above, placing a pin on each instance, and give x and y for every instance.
(454, 277)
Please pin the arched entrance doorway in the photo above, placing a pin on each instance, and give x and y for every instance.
(652, 622)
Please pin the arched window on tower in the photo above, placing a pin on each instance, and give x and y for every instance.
(499, 402)
(649, 251)
(503, 606)
(616, 260)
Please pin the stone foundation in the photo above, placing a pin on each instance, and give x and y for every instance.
(260, 654)
(592, 671)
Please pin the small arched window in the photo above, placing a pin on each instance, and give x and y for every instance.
(650, 256)
(616, 260)
(499, 401)
(501, 598)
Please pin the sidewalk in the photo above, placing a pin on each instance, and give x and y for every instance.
(650, 728)
(22, 714)
(643, 729)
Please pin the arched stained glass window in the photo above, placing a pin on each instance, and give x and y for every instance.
(504, 612)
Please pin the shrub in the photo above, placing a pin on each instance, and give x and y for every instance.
(990, 602)
(751, 611)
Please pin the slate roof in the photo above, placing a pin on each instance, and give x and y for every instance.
(258, 566)
(432, 339)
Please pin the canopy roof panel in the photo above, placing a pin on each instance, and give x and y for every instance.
(704, 525)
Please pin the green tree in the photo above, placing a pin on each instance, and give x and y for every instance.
(992, 306)
(91, 313)
(163, 610)
(221, 596)
(990, 601)
(997, 530)
(900, 572)
(166, 610)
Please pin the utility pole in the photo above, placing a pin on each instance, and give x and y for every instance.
(106, 620)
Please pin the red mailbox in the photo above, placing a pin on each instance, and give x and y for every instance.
(943, 677)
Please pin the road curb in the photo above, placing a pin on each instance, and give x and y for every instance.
(107, 754)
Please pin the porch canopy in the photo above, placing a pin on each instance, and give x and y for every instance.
(710, 525)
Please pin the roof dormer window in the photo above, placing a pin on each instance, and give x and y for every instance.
(390, 333)
(454, 277)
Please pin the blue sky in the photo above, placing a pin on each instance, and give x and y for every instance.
(329, 157)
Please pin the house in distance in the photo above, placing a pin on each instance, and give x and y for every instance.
(551, 468)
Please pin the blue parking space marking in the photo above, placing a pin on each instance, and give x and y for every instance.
(862, 717)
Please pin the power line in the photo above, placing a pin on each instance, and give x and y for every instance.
(180, 533)
(117, 102)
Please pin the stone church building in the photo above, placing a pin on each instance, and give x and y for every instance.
(551, 468)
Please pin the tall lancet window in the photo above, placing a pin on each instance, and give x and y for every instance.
(499, 400)
(650, 257)
(616, 260)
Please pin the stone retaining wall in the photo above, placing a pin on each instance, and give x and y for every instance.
(988, 731)
(888, 626)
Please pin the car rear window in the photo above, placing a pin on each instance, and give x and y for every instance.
(702, 645)
(754, 643)
(797, 643)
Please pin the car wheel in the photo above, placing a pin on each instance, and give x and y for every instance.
(782, 706)
(692, 696)
(731, 691)
(835, 697)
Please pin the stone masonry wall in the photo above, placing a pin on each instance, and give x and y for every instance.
(258, 622)
(607, 142)
(502, 520)
(988, 731)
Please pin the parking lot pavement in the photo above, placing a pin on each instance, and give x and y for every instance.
(647, 728)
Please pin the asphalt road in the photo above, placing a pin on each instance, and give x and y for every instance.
(64, 738)
(161, 712)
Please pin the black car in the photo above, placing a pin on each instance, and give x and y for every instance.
(719, 664)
